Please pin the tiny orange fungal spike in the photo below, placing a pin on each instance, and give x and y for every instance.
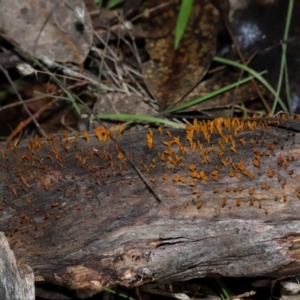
(176, 140)
(199, 204)
(99, 131)
(286, 164)
(224, 161)
(270, 173)
(202, 175)
(169, 152)
(256, 162)
(193, 146)
(23, 180)
(238, 202)
(54, 204)
(243, 142)
(266, 211)
(193, 183)
(238, 175)
(215, 177)
(150, 139)
(66, 134)
(231, 173)
(192, 167)
(251, 125)
(152, 180)
(248, 174)
(215, 172)
(37, 142)
(251, 191)
(178, 178)
(26, 156)
(182, 149)
(165, 177)
(224, 202)
(14, 191)
(265, 186)
(178, 158)
(86, 135)
(121, 128)
(259, 203)
(160, 130)
(233, 148)
(215, 191)
(161, 156)
(280, 160)
(168, 132)
(185, 205)
(284, 198)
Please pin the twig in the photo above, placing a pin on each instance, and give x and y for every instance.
(22, 101)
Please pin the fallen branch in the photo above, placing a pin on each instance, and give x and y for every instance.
(77, 213)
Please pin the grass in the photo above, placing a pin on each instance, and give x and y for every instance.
(283, 63)
(182, 20)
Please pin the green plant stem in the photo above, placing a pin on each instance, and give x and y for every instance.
(255, 74)
(283, 57)
(210, 95)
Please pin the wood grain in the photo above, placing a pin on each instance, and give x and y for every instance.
(79, 215)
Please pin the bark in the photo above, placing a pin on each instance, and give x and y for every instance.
(80, 216)
(16, 282)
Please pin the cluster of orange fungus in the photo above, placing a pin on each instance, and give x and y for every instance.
(223, 143)
(226, 163)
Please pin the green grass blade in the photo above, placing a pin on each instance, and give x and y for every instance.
(112, 3)
(255, 74)
(99, 4)
(71, 98)
(140, 118)
(287, 87)
(283, 56)
(122, 295)
(182, 20)
(210, 95)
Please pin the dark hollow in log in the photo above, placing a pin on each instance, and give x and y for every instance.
(79, 215)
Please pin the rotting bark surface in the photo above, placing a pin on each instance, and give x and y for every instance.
(79, 215)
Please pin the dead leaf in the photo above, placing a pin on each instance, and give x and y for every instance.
(58, 30)
(170, 74)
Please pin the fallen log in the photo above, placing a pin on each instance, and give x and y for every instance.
(76, 212)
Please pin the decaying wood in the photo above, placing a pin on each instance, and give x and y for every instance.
(79, 215)
(16, 282)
